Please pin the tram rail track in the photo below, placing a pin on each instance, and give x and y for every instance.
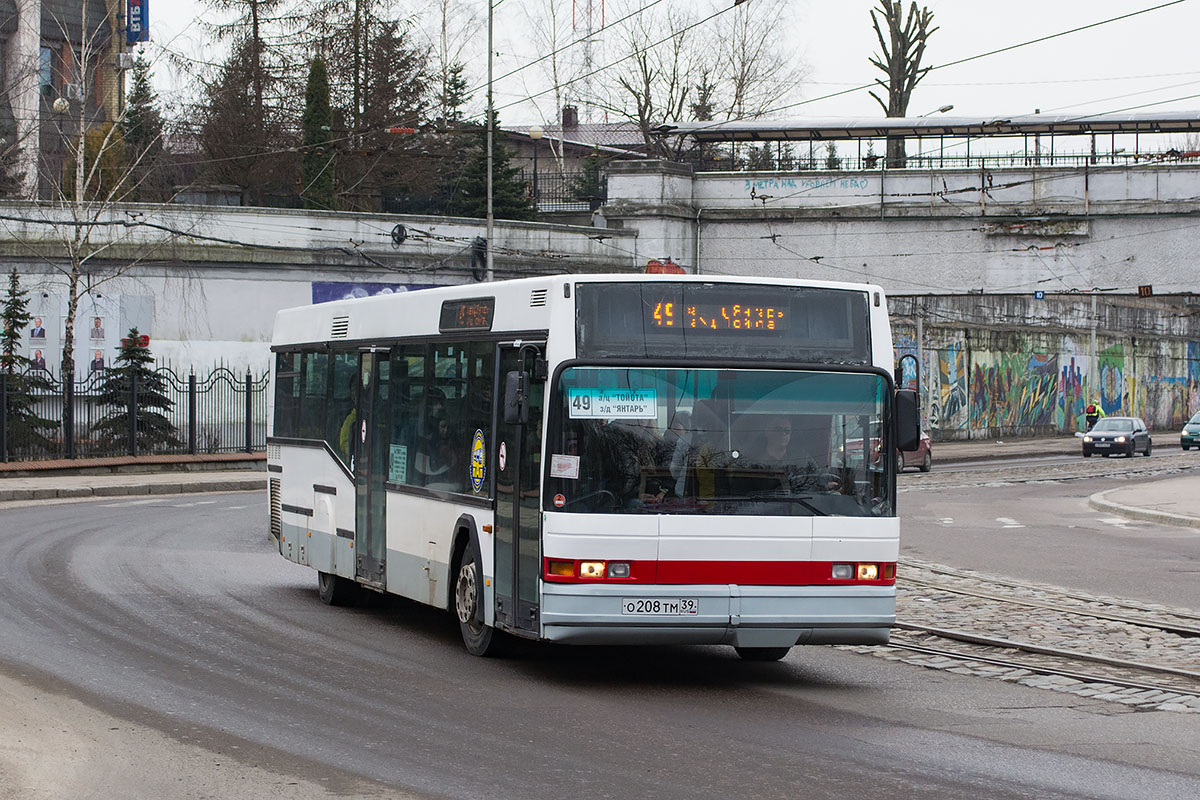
(1135, 653)
(1084, 610)
(1088, 678)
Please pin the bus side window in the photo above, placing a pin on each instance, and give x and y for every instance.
(408, 365)
(287, 394)
(343, 370)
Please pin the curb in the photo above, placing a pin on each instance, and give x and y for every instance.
(1100, 503)
(253, 484)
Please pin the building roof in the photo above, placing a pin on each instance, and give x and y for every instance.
(881, 127)
(622, 135)
(522, 132)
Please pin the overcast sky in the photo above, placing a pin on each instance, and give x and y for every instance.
(1124, 65)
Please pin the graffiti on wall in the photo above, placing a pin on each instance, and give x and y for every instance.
(1071, 400)
(949, 409)
(1005, 384)
(1112, 379)
(1015, 390)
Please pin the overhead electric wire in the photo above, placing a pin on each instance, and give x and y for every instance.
(650, 46)
(565, 47)
(967, 59)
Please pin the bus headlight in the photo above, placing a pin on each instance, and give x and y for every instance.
(868, 572)
(591, 569)
(843, 572)
(618, 569)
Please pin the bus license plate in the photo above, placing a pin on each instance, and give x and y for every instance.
(660, 606)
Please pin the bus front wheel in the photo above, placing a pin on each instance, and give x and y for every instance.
(479, 639)
(762, 653)
(335, 590)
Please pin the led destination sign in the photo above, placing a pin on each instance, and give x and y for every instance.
(716, 317)
(669, 319)
(467, 315)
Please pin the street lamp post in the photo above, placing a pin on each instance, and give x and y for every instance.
(535, 133)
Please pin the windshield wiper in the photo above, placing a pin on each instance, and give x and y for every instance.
(774, 498)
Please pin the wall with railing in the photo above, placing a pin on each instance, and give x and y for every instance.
(217, 412)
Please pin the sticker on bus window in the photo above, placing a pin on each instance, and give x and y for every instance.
(612, 403)
(398, 463)
(562, 466)
(478, 461)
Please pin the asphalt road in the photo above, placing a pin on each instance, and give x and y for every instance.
(1013, 519)
(174, 617)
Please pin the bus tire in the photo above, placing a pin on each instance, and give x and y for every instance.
(479, 639)
(762, 653)
(336, 590)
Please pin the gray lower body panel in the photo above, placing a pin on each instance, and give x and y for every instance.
(743, 616)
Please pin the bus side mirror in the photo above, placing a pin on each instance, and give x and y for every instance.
(908, 420)
(516, 398)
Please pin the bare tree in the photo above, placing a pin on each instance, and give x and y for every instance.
(551, 33)
(451, 26)
(94, 175)
(654, 82)
(750, 78)
(726, 68)
(899, 57)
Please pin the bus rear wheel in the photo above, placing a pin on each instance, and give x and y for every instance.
(335, 590)
(479, 639)
(762, 653)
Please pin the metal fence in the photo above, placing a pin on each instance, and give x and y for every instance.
(768, 158)
(221, 412)
(582, 190)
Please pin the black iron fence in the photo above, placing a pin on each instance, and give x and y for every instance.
(221, 412)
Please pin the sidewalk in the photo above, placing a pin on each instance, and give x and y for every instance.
(127, 475)
(1173, 501)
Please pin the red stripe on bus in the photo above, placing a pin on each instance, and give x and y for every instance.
(718, 573)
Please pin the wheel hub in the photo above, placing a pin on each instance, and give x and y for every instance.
(465, 594)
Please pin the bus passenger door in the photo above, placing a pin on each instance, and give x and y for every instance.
(371, 440)
(518, 502)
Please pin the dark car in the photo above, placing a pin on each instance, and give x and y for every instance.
(1189, 437)
(921, 457)
(1111, 435)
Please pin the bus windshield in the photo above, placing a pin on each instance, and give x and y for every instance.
(719, 441)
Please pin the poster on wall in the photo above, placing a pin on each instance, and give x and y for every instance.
(326, 291)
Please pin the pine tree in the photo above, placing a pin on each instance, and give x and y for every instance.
(154, 430)
(24, 380)
(142, 130)
(317, 164)
(510, 195)
(453, 96)
(589, 184)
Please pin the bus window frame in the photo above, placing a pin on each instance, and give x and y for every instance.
(494, 337)
(553, 417)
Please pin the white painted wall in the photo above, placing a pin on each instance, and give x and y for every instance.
(952, 231)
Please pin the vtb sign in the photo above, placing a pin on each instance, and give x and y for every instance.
(137, 21)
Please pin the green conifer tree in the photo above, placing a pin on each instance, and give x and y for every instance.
(510, 195)
(25, 381)
(154, 429)
(142, 131)
(317, 167)
(588, 185)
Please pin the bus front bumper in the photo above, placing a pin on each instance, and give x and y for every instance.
(743, 616)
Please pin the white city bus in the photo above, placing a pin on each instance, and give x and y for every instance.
(599, 459)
